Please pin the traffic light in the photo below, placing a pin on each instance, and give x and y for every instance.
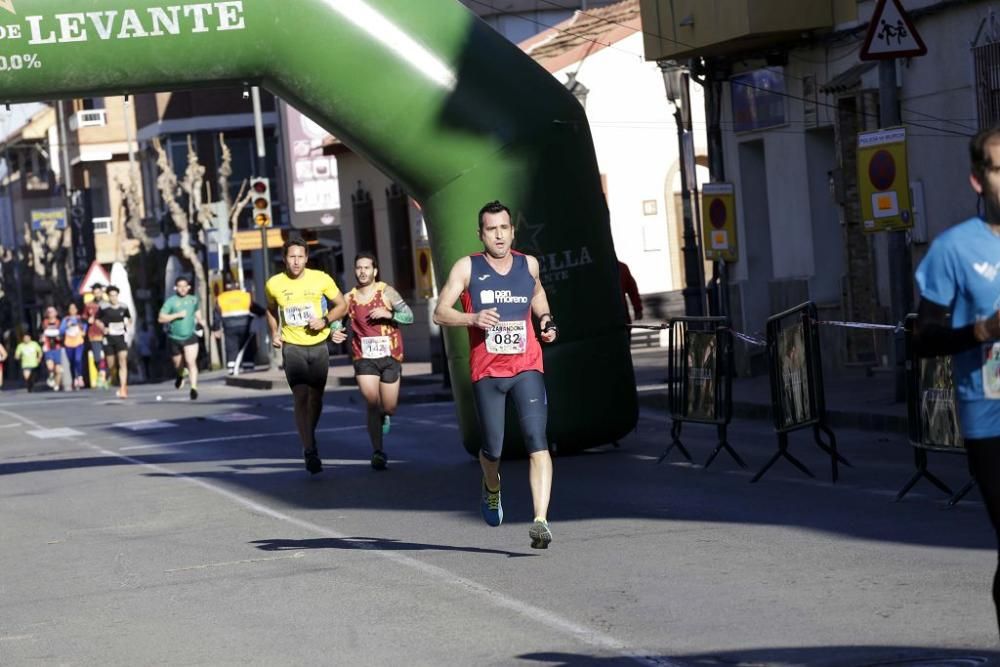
(260, 202)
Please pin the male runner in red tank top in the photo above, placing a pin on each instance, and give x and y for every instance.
(500, 292)
(376, 311)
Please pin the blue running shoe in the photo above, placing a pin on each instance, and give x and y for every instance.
(386, 424)
(490, 506)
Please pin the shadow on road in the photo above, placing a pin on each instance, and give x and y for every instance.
(811, 656)
(373, 544)
(433, 473)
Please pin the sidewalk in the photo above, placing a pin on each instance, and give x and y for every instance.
(858, 402)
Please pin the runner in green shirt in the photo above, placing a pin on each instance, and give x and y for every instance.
(29, 354)
(182, 312)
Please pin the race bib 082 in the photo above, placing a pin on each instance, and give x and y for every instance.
(375, 347)
(300, 315)
(507, 338)
(116, 328)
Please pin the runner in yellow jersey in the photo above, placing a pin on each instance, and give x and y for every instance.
(295, 303)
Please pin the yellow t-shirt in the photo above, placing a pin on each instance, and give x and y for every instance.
(299, 300)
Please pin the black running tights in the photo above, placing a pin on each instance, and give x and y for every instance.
(984, 464)
(306, 368)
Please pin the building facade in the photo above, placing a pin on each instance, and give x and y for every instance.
(794, 94)
(597, 55)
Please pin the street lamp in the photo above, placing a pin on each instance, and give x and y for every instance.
(675, 84)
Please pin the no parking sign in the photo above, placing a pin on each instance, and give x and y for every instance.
(883, 181)
(718, 222)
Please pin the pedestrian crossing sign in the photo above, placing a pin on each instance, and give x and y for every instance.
(891, 34)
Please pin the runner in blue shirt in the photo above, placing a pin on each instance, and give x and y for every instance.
(959, 315)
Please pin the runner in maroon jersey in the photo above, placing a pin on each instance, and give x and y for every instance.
(376, 311)
(500, 291)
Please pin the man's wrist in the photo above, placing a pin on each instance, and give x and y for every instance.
(981, 331)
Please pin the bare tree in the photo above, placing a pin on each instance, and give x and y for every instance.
(132, 209)
(242, 197)
(199, 209)
(47, 253)
(169, 189)
(225, 171)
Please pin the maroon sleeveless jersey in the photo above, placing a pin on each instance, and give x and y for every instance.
(373, 340)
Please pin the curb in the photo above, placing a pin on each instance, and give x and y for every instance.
(249, 383)
(864, 421)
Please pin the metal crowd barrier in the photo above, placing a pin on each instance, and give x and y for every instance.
(796, 377)
(700, 380)
(932, 414)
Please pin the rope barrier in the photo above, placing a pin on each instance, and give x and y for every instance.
(760, 342)
(863, 325)
(753, 340)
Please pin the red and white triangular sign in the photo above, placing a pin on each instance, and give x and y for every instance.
(891, 34)
(95, 274)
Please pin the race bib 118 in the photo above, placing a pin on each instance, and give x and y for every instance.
(300, 315)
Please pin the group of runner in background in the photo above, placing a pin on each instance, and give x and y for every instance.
(77, 339)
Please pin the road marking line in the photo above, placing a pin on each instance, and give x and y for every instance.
(581, 633)
(50, 433)
(10, 425)
(16, 638)
(245, 561)
(326, 408)
(246, 436)
(427, 422)
(145, 425)
(236, 417)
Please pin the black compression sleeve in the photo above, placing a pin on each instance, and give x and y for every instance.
(934, 336)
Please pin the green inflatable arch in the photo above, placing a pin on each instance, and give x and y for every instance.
(425, 91)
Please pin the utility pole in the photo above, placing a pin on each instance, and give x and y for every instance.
(712, 85)
(19, 316)
(676, 82)
(900, 262)
(261, 169)
(892, 35)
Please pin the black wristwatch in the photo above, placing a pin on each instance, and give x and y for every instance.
(550, 325)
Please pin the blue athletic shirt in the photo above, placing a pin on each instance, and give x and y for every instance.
(962, 273)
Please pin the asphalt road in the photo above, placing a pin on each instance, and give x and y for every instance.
(175, 532)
